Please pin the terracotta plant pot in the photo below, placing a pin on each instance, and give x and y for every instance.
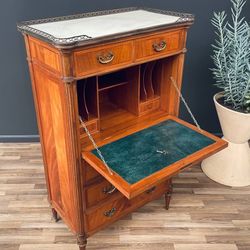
(231, 166)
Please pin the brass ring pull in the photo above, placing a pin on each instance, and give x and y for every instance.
(109, 190)
(106, 58)
(158, 47)
(151, 190)
(110, 213)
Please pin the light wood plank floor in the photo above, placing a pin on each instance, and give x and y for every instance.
(202, 215)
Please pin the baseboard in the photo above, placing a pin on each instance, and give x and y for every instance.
(36, 138)
(19, 138)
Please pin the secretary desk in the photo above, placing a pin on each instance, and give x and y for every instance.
(106, 90)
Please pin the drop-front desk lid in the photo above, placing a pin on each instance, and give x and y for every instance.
(87, 28)
(148, 157)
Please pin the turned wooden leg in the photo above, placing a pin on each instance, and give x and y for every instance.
(82, 242)
(168, 195)
(55, 215)
(82, 247)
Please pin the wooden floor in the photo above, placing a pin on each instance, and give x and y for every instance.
(202, 215)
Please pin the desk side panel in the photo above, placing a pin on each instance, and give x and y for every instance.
(55, 109)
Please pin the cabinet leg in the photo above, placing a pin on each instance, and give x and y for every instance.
(82, 242)
(168, 195)
(82, 247)
(55, 215)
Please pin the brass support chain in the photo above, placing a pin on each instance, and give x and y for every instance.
(95, 145)
(184, 102)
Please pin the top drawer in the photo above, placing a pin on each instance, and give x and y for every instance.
(103, 58)
(158, 45)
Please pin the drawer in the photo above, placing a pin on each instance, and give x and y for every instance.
(149, 106)
(152, 193)
(92, 126)
(106, 213)
(121, 206)
(158, 45)
(98, 192)
(103, 59)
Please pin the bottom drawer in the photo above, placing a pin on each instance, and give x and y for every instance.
(110, 212)
(106, 213)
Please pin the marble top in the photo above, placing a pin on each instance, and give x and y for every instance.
(91, 26)
(99, 26)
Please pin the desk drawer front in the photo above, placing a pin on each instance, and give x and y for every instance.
(152, 193)
(106, 213)
(102, 59)
(98, 192)
(158, 45)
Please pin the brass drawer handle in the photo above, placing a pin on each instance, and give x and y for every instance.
(109, 190)
(106, 58)
(158, 47)
(151, 190)
(110, 213)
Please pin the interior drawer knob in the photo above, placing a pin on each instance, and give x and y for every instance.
(106, 58)
(158, 47)
(109, 190)
(110, 213)
(150, 106)
(151, 190)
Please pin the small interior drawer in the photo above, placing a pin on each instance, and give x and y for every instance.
(158, 45)
(149, 106)
(102, 59)
(92, 126)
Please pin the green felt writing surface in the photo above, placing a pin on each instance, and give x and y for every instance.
(135, 157)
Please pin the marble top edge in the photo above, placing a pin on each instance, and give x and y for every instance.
(38, 27)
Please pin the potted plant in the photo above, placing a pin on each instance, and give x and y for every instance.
(231, 58)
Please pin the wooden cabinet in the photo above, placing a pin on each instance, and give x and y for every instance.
(110, 72)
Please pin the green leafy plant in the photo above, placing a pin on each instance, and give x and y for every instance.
(231, 57)
(247, 103)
